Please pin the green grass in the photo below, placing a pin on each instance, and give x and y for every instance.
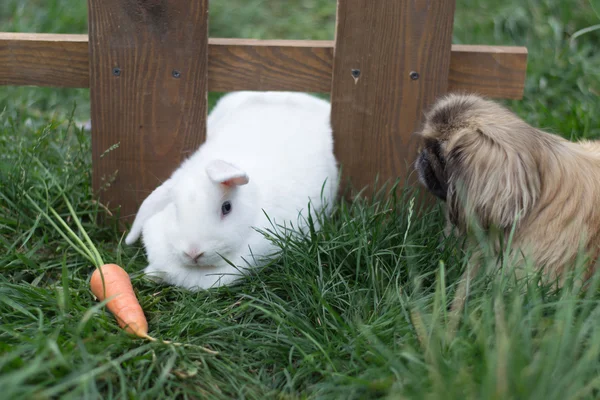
(357, 311)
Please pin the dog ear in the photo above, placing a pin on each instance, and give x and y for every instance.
(493, 177)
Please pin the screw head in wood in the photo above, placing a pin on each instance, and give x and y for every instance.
(116, 71)
(176, 74)
(355, 73)
(414, 75)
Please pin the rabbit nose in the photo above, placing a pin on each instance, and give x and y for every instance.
(194, 255)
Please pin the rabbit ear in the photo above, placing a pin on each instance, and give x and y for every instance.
(222, 172)
(155, 202)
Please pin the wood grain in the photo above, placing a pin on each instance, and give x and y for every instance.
(235, 64)
(156, 116)
(471, 68)
(55, 60)
(240, 64)
(374, 115)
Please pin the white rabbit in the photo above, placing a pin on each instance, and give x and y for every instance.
(265, 152)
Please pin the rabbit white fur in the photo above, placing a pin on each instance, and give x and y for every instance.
(265, 152)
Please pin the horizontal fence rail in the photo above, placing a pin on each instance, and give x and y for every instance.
(62, 60)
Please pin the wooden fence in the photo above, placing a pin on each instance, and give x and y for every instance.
(149, 65)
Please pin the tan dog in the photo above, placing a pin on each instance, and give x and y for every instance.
(493, 169)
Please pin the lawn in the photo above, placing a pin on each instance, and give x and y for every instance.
(357, 311)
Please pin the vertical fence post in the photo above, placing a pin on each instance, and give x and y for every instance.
(392, 59)
(148, 89)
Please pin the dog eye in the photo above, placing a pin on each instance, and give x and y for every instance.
(226, 208)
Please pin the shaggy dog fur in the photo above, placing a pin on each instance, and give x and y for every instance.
(499, 174)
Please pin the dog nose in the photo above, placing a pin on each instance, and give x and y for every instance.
(194, 255)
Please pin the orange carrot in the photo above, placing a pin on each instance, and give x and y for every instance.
(124, 305)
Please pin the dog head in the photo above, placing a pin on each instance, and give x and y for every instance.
(481, 159)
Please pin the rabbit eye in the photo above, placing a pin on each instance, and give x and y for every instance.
(226, 208)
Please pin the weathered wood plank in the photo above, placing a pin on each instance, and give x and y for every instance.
(235, 64)
(495, 71)
(58, 60)
(41, 59)
(392, 59)
(148, 91)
